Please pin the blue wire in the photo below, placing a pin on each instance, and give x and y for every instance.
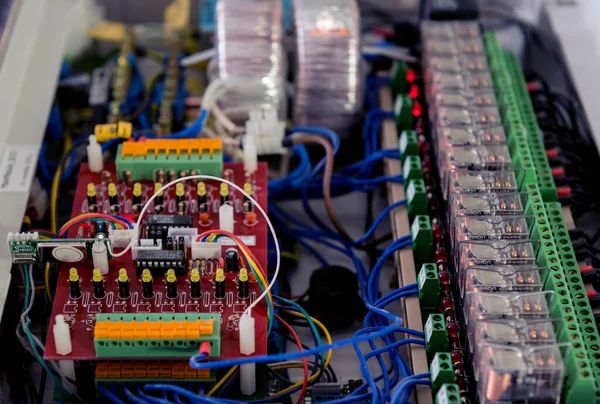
(150, 398)
(112, 397)
(378, 221)
(133, 397)
(401, 391)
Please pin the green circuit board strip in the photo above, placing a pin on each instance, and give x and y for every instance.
(570, 305)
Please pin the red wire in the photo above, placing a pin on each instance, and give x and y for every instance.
(304, 361)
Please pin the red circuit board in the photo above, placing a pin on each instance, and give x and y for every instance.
(81, 313)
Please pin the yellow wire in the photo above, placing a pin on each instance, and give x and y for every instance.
(327, 359)
(223, 380)
(286, 254)
(53, 200)
(47, 278)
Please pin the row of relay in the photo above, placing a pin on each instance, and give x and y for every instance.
(506, 312)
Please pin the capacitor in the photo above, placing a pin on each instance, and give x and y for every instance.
(169, 243)
(195, 291)
(113, 198)
(171, 284)
(220, 284)
(243, 292)
(137, 196)
(224, 192)
(247, 203)
(201, 192)
(180, 192)
(91, 198)
(101, 229)
(98, 283)
(232, 260)
(123, 284)
(74, 284)
(181, 243)
(158, 201)
(147, 291)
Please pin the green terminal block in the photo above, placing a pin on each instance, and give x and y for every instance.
(411, 170)
(422, 238)
(156, 335)
(416, 198)
(408, 144)
(441, 371)
(138, 161)
(448, 394)
(399, 83)
(436, 337)
(403, 111)
(429, 286)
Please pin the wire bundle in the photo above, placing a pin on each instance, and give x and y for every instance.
(250, 56)
(329, 82)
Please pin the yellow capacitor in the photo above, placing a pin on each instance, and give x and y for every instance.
(220, 275)
(157, 187)
(248, 188)
(73, 275)
(137, 189)
(201, 189)
(112, 190)
(123, 275)
(96, 275)
(224, 190)
(195, 275)
(91, 190)
(243, 275)
(179, 189)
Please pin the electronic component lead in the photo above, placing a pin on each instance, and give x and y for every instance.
(224, 192)
(220, 284)
(171, 284)
(74, 284)
(147, 291)
(158, 201)
(243, 292)
(98, 283)
(91, 198)
(195, 291)
(123, 282)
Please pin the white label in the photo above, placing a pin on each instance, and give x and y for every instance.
(422, 277)
(398, 105)
(403, 141)
(406, 168)
(435, 368)
(415, 227)
(248, 240)
(410, 192)
(428, 327)
(17, 167)
(442, 397)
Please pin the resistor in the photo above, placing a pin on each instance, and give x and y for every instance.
(113, 198)
(158, 201)
(127, 176)
(243, 292)
(202, 266)
(80, 232)
(248, 207)
(106, 176)
(224, 192)
(92, 198)
(147, 291)
(195, 291)
(180, 192)
(160, 175)
(220, 284)
(201, 192)
(123, 282)
(230, 322)
(171, 284)
(171, 175)
(74, 284)
(98, 283)
(181, 208)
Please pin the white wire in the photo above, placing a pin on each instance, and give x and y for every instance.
(198, 57)
(231, 184)
(225, 121)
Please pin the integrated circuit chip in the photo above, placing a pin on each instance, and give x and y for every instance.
(159, 261)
